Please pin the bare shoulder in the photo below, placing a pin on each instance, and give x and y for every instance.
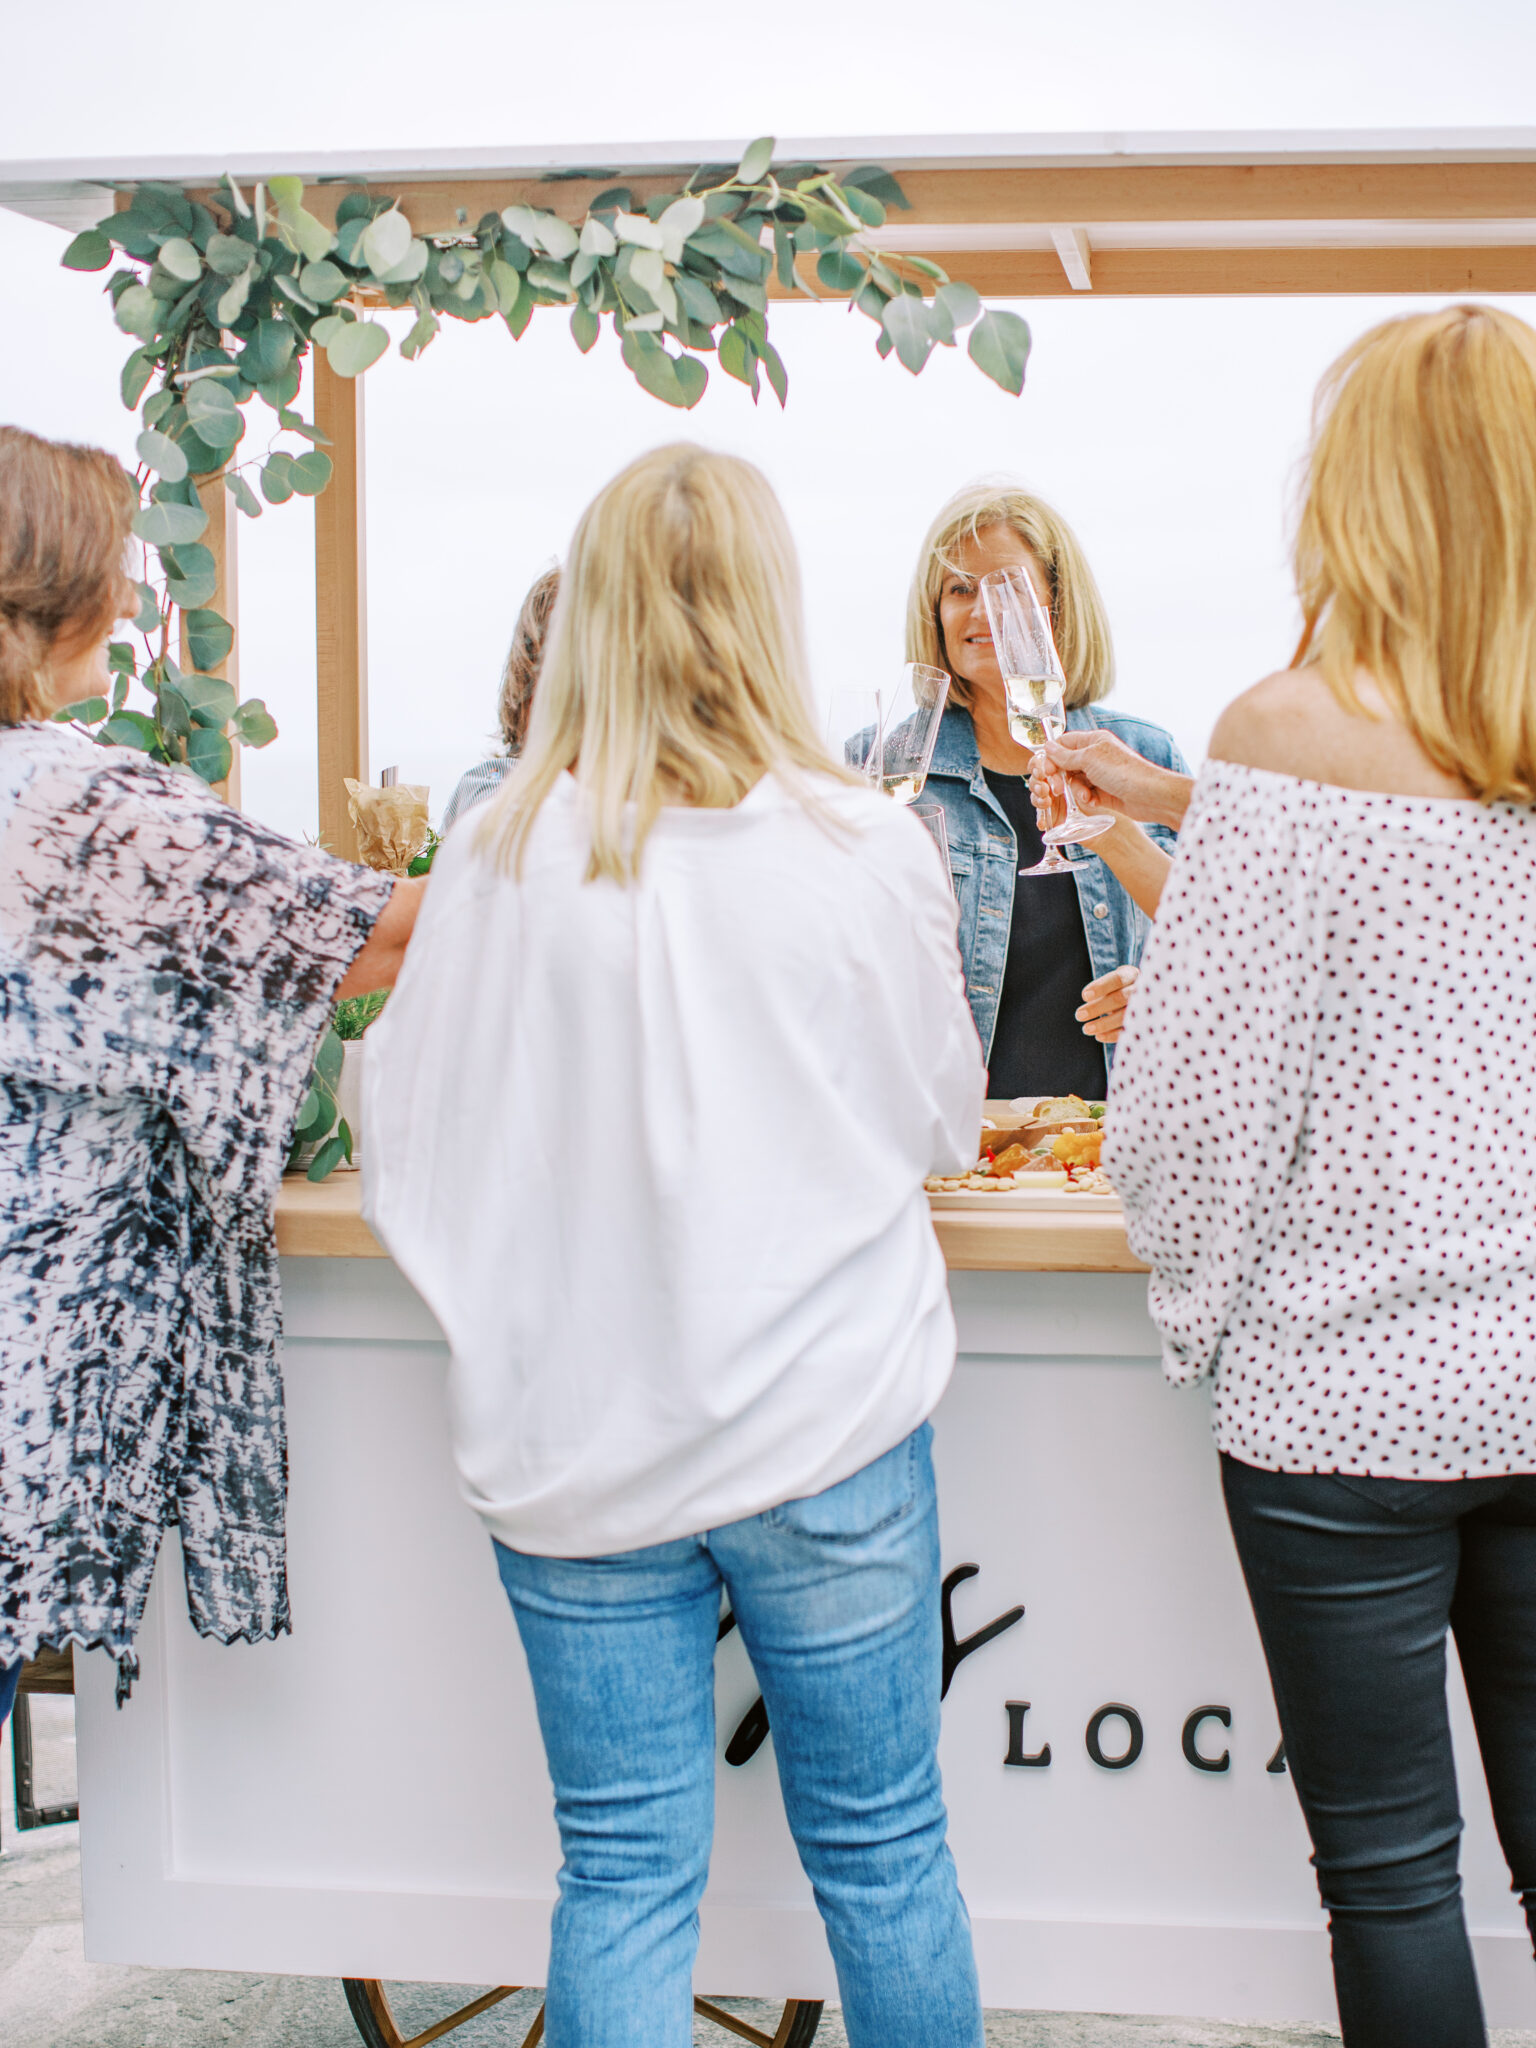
(1293, 724)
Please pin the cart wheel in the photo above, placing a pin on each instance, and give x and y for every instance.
(369, 2005)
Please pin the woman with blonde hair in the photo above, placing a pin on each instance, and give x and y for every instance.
(1325, 1139)
(514, 700)
(168, 968)
(1029, 942)
(682, 1032)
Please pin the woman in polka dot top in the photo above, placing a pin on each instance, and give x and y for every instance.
(1323, 1128)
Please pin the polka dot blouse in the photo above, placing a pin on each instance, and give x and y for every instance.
(1323, 1126)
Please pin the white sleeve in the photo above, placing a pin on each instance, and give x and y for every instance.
(1211, 1080)
(950, 1078)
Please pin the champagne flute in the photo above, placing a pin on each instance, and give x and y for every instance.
(932, 816)
(855, 728)
(914, 711)
(1034, 685)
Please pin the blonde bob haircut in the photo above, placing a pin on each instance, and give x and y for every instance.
(1415, 551)
(1078, 619)
(675, 671)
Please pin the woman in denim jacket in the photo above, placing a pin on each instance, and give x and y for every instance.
(1028, 943)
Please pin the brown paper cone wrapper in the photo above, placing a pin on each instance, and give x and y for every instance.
(392, 824)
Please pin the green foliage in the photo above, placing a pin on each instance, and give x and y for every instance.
(225, 301)
(354, 1014)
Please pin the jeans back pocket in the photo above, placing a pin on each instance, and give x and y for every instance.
(868, 1500)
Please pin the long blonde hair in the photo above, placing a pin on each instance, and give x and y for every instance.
(1415, 551)
(675, 671)
(1078, 619)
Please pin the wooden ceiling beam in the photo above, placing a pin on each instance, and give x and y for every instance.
(1047, 196)
(1028, 273)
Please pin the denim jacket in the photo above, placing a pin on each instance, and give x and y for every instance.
(984, 859)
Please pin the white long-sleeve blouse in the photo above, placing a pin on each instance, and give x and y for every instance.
(1323, 1128)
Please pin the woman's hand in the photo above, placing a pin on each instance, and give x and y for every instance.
(1107, 775)
(1045, 794)
(1105, 1003)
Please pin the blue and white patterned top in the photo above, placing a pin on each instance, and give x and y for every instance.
(166, 969)
(476, 784)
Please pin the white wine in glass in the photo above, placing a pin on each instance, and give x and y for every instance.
(1036, 714)
(905, 786)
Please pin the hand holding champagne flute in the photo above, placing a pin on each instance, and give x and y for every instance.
(1035, 688)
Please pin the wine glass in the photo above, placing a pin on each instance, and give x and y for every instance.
(913, 713)
(855, 725)
(1035, 687)
(932, 816)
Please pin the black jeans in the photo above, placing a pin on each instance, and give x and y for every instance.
(1353, 1582)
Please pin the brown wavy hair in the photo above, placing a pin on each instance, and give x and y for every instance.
(525, 657)
(65, 515)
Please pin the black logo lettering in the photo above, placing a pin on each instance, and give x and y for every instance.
(1276, 1765)
(1132, 1721)
(1017, 1709)
(1192, 1727)
(955, 1653)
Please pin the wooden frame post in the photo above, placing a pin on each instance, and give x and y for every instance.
(220, 540)
(341, 606)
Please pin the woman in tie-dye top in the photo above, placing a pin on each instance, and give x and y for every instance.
(166, 969)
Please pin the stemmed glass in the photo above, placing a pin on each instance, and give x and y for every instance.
(1035, 687)
(914, 711)
(854, 729)
(932, 817)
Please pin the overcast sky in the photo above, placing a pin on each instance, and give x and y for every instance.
(1167, 431)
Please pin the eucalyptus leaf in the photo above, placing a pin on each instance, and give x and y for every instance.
(276, 484)
(129, 729)
(839, 271)
(696, 299)
(386, 241)
(312, 238)
(209, 637)
(209, 754)
(230, 254)
(192, 575)
(584, 325)
(213, 414)
(322, 281)
(879, 184)
(254, 724)
(774, 370)
(209, 699)
(148, 619)
(315, 1113)
(162, 455)
(121, 659)
(646, 323)
(310, 473)
(295, 425)
(962, 302)
(868, 209)
(906, 327)
(173, 711)
(545, 275)
(999, 347)
(180, 258)
(692, 377)
(292, 294)
(637, 230)
(679, 221)
(242, 494)
(137, 371)
(329, 1055)
(425, 327)
(648, 271)
(411, 265)
(267, 354)
(755, 160)
(232, 301)
(558, 238)
(169, 525)
(361, 344)
(329, 1157)
(597, 239)
(328, 329)
(91, 250)
(138, 312)
(89, 711)
(738, 357)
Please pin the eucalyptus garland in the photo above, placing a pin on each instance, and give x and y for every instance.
(225, 299)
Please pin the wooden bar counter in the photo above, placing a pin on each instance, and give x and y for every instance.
(324, 1221)
(367, 1796)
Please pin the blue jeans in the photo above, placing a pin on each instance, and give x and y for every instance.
(10, 1678)
(837, 1598)
(1353, 1583)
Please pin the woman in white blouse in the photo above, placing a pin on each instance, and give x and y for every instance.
(682, 1031)
(1324, 1132)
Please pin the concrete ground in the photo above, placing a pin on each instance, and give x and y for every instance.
(51, 1997)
